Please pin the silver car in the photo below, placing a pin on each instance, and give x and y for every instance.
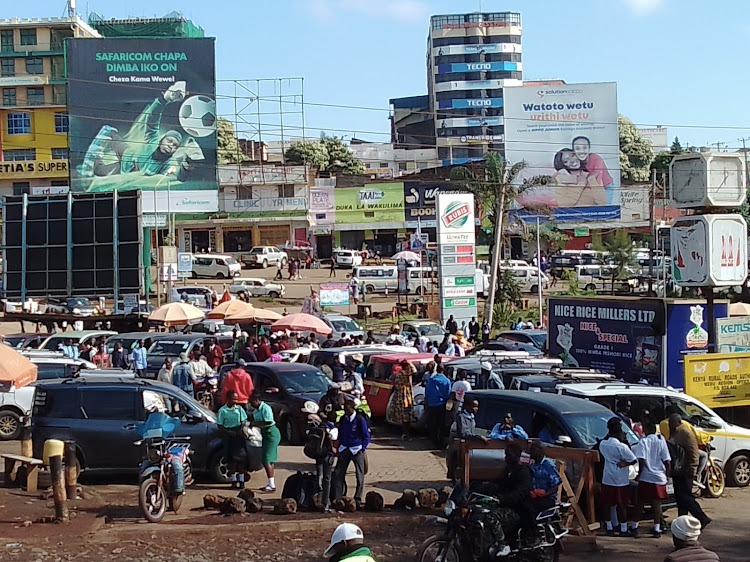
(256, 287)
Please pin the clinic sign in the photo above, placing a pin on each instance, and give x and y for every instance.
(456, 255)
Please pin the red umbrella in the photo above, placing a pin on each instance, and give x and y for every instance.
(226, 297)
(302, 322)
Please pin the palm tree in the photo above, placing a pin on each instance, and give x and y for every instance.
(498, 190)
(621, 253)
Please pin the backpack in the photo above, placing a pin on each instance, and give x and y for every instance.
(677, 454)
(315, 445)
(301, 487)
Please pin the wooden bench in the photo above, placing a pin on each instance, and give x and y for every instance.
(32, 469)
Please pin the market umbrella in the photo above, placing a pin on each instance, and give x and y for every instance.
(230, 308)
(301, 322)
(406, 255)
(739, 309)
(15, 369)
(259, 315)
(177, 314)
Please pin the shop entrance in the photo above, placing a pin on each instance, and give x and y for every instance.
(323, 246)
(200, 241)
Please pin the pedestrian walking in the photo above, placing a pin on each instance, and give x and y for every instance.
(683, 473)
(332, 271)
(140, 356)
(165, 373)
(279, 271)
(615, 484)
(262, 417)
(653, 471)
(321, 434)
(354, 288)
(486, 332)
(354, 437)
(402, 403)
(474, 330)
(451, 326)
(119, 357)
(181, 375)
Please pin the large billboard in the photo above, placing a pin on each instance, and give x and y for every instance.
(143, 116)
(568, 133)
(373, 203)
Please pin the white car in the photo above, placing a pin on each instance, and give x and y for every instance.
(348, 258)
(263, 256)
(215, 265)
(256, 287)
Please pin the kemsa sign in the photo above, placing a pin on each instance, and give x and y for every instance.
(709, 251)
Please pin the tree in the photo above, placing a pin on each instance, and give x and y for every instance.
(676, 147)
(621, 252)
(551, 237)
(228, 149)
(636, 153)
(496, 190)
(662, 160)
(330, 154)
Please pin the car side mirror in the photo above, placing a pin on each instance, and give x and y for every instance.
(193, 418)
(564, 441)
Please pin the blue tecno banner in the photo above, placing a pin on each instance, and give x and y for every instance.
(465, 104)
(478, 67)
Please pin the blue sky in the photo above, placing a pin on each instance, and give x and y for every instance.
(677, 62)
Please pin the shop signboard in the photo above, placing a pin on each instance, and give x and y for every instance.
(419, 204)
(374, 203)
(733, 334)
(456, 253)
(334, 294)
(143, 116)
(718, 379)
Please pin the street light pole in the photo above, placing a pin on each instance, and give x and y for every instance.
(539, 270)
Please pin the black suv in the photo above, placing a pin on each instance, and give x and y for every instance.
(100, 415)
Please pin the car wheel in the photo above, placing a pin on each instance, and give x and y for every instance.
(738, 471)
(591, 287)
(220, 275)
(534, 289)
(264, 265)
(194, 275)
(273, 295)
(10, 425)
(369, 289)
(419, 290)
(290, 431)
(219, 470)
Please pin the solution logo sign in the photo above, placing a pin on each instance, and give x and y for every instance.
(456, 214)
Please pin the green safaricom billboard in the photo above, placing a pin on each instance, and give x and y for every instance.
(143, 116)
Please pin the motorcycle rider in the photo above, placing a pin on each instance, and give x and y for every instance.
(347, 543)
(545, 478)
(154, 404)
(199, 368)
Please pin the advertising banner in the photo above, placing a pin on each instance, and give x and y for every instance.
(568, 133)
(733, 334)
(456, 255)
(375, 203)
(419, 204)
(143, 116)
(334, 294)
(718, 379)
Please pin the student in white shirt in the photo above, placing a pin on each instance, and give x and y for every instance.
(653, 470)
(615, 483)
(460, 388)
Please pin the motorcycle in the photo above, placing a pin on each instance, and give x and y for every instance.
(205, 390)
(712, 477)
(469, 531)
(157, 479)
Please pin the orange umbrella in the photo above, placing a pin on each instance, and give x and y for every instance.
(176, 314)
(259, 315)
(302, 322)
(231, 308)
(15, 369)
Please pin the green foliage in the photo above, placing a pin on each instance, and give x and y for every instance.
(330, 154)
(676, 147)
(571, 279)
(636, 153)
(550, 237)
(228, 149)
(508, 288)
(662, 160)
(503, 315)
(621, 254)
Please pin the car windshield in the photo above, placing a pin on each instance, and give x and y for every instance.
(230, 261)
(14, 341)
(540, 339)
(300, 382)
(344, 325)
(168, 347)
(127, 343)
(591, 427)
(79, 302)
(256, 251)
(211, 328)
(431, 330)
(54, 343)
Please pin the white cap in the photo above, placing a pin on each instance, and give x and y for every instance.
(686, 528)
(344, 532)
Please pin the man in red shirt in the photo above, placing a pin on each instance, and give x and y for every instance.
(214, 355)
(264, 350)
(240, 382)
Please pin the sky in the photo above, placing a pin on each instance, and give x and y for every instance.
(677, 63)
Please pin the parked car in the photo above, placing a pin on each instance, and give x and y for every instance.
(211, 327)
(567, 421)
(377, 278)
(348, 259)
(263, 256)
(429, 328)
(528, 277)
(80, 306)
(53, 342)
(340, 324)
(25, 341)
(215, 265)
(171, 347)
(319, 357)
(101, 415)
(287, 387)
(256, 287)
(196, 295)
(561, 264)
(502, 345)
(16, 403)
(598, 278)
(537, 338)
(731, 443)
(129, 339)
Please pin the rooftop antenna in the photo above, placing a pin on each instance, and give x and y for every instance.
(71, 8)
